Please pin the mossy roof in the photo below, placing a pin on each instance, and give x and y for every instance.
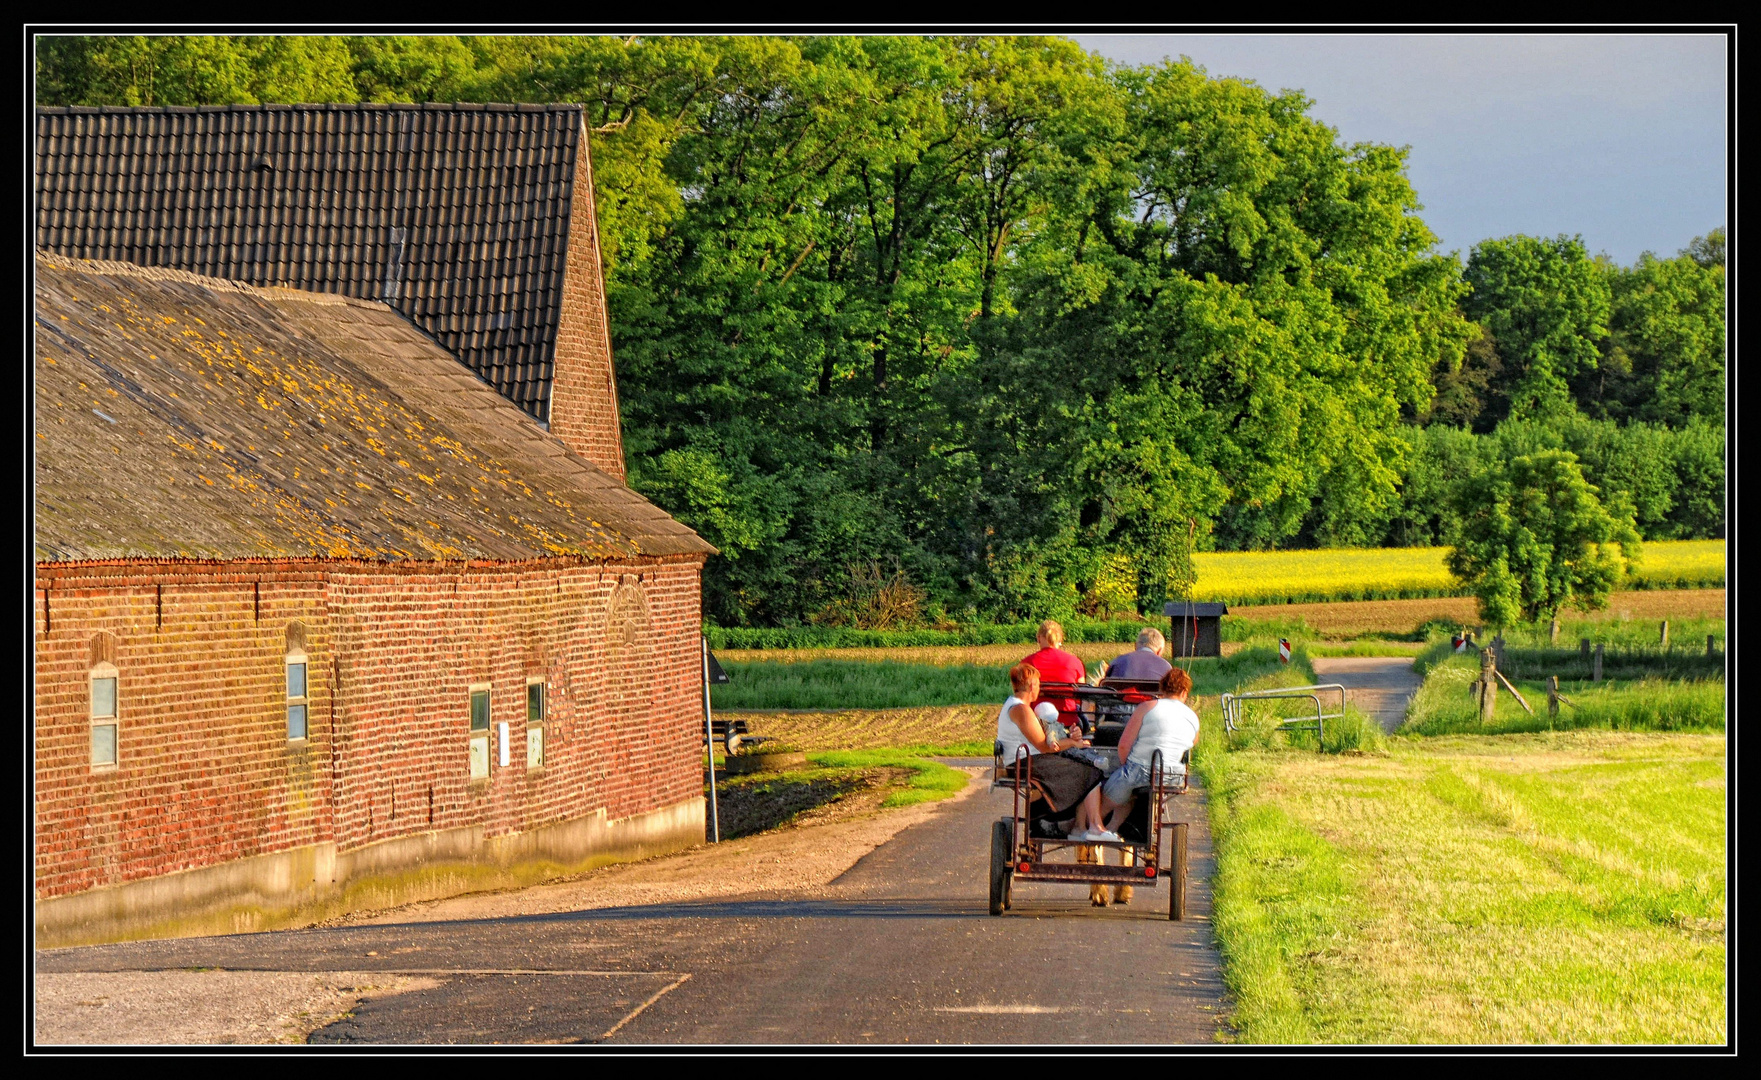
(185, 416)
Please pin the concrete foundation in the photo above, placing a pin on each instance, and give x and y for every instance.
(308, 884)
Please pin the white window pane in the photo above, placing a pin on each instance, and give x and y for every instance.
(479, 757)
(104, 697)
(104, 743)
(534, 747)
(296, 721)
(296, 680)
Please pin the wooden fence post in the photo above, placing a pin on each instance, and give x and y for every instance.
(1553, 631)
(1488, 686)
(1663, 634)
(1711, 646)
(1552, 700)
(1596, 665)
(1584, 649)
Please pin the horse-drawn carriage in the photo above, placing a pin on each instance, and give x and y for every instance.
(1152, 848)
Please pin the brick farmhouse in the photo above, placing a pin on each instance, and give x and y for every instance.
(341, 599)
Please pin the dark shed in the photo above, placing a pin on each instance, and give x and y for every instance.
(1194, 629)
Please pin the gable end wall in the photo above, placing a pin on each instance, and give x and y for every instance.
(583, 409)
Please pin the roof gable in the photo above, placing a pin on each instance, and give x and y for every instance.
(455, 215)
(183, 416)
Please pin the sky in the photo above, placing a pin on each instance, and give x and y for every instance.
(1620, 138)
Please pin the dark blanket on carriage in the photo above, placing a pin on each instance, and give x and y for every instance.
(1059, 784)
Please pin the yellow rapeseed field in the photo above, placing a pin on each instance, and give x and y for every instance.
(1294, 577)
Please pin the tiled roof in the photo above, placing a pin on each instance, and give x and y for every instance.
(184, 416)
(456, 215)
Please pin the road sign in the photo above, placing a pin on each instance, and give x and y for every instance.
(1284, 650)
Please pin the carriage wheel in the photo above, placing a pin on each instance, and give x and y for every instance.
(1000, 859)
(1177, 874)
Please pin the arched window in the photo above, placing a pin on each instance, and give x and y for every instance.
(297, 719)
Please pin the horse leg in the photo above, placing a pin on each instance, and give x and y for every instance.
(1122, 893)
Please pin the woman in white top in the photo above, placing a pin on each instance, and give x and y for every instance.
(1065, 780)
(1167, 724)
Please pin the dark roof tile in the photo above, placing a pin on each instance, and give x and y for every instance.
(455, 215)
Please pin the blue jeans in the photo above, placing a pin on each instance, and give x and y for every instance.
(1130, 776)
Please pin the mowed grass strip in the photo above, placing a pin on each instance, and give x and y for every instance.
(887, 684)
(1292, 577)
(1565, 888)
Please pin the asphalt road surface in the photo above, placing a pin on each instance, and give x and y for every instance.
(901, 950)
(1380, 686)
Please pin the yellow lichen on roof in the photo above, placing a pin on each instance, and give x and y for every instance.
(316, 396)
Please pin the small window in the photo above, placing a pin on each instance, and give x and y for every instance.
(105, 720)
(479, 732)
(296, 696)
(535, 724)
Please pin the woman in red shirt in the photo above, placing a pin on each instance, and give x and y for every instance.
(1056, 665)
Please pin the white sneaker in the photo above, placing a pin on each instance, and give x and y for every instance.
(1103, 835)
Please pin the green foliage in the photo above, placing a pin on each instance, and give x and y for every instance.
(1534, 538)
(1546, 305)
(193, 70)
(1020, 327)
(1665, 359)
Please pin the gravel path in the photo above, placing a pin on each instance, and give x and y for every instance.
(1380, 686)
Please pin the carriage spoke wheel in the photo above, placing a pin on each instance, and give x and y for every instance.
(1177, 873)
(1001, 858)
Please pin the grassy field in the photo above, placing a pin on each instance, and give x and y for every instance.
(886, 684)
(1443, 705)
(1402, 618)
(1565, 888)
(862, 780)
(1287, 577)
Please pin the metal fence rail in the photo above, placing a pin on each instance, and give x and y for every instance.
(1232, 707)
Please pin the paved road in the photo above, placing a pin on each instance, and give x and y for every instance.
(901, 950)
(1380, 686)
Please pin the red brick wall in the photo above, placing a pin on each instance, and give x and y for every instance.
(206, 773)
(583, 388)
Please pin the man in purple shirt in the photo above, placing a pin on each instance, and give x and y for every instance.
(1145, 662)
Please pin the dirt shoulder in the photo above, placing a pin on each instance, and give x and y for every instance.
(800, 860)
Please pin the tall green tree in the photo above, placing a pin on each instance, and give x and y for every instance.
(1664, 359)
(1546, 305)
(175, 70)
(1533, 538)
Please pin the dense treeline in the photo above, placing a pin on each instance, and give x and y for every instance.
(916, 329)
